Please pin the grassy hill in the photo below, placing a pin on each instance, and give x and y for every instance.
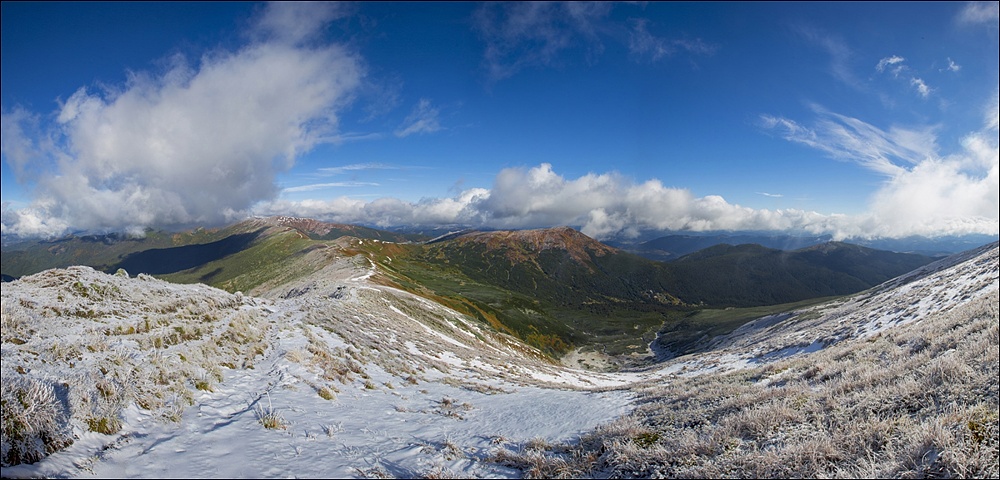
(557, 289)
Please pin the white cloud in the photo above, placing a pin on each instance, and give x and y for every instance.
(925, 193)
(297, 22)
(952, 66)
(921, 87)
(195, 144)
(840, 54)
(603, 205)
(887, 61)
(323, 186)
(532, 34)
(423, 119)
(980, 13)
(519, 35)
(898, 68)
(327, 171)
(644, 45)
(850, 139)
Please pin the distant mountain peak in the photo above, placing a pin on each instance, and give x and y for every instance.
(305, 225)
(520, 243)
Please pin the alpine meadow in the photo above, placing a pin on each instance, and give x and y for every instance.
(500, 240)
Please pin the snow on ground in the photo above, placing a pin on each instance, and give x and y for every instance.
(405, 398)
(936, 287)
(404, 431)
(365, 380)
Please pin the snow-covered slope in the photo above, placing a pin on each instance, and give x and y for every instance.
(357, 379)
(353, 378)
(932, 289)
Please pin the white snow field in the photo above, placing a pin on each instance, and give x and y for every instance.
(337, 376)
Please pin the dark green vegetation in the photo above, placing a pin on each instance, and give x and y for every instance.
(688, 331)
(162, 253)
(556, 289)
(751, 275)
(158, 261)
(98, 251)
(672, 247)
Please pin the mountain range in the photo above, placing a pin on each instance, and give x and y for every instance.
(555, 288)
(329, 354)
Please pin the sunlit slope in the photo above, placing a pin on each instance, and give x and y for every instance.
(163, 253)
(554, 288)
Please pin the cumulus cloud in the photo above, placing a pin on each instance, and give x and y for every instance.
(196, 143)
(423, 119)
(602, 205)
(383, 212)
(925, 192)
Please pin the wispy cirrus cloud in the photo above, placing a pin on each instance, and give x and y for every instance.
(324, 186)
(925, 192)
(342, 169)
(890, 61)
(837, 48)
(423, 119)
(646, 46)
(521, 35)
(982, 13)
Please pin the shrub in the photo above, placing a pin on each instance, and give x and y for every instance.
(35, 421)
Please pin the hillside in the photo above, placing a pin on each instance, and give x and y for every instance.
(333, 374)
(752, 275)
(556, 289)
(159, 252)
(560, 289)
(896, 382)
(672, 247)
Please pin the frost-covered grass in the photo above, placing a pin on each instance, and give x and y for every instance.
(919, 399)
(335, 376)
(79, 347)
(343, 375)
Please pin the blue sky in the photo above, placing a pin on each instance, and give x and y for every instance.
(857, 119)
